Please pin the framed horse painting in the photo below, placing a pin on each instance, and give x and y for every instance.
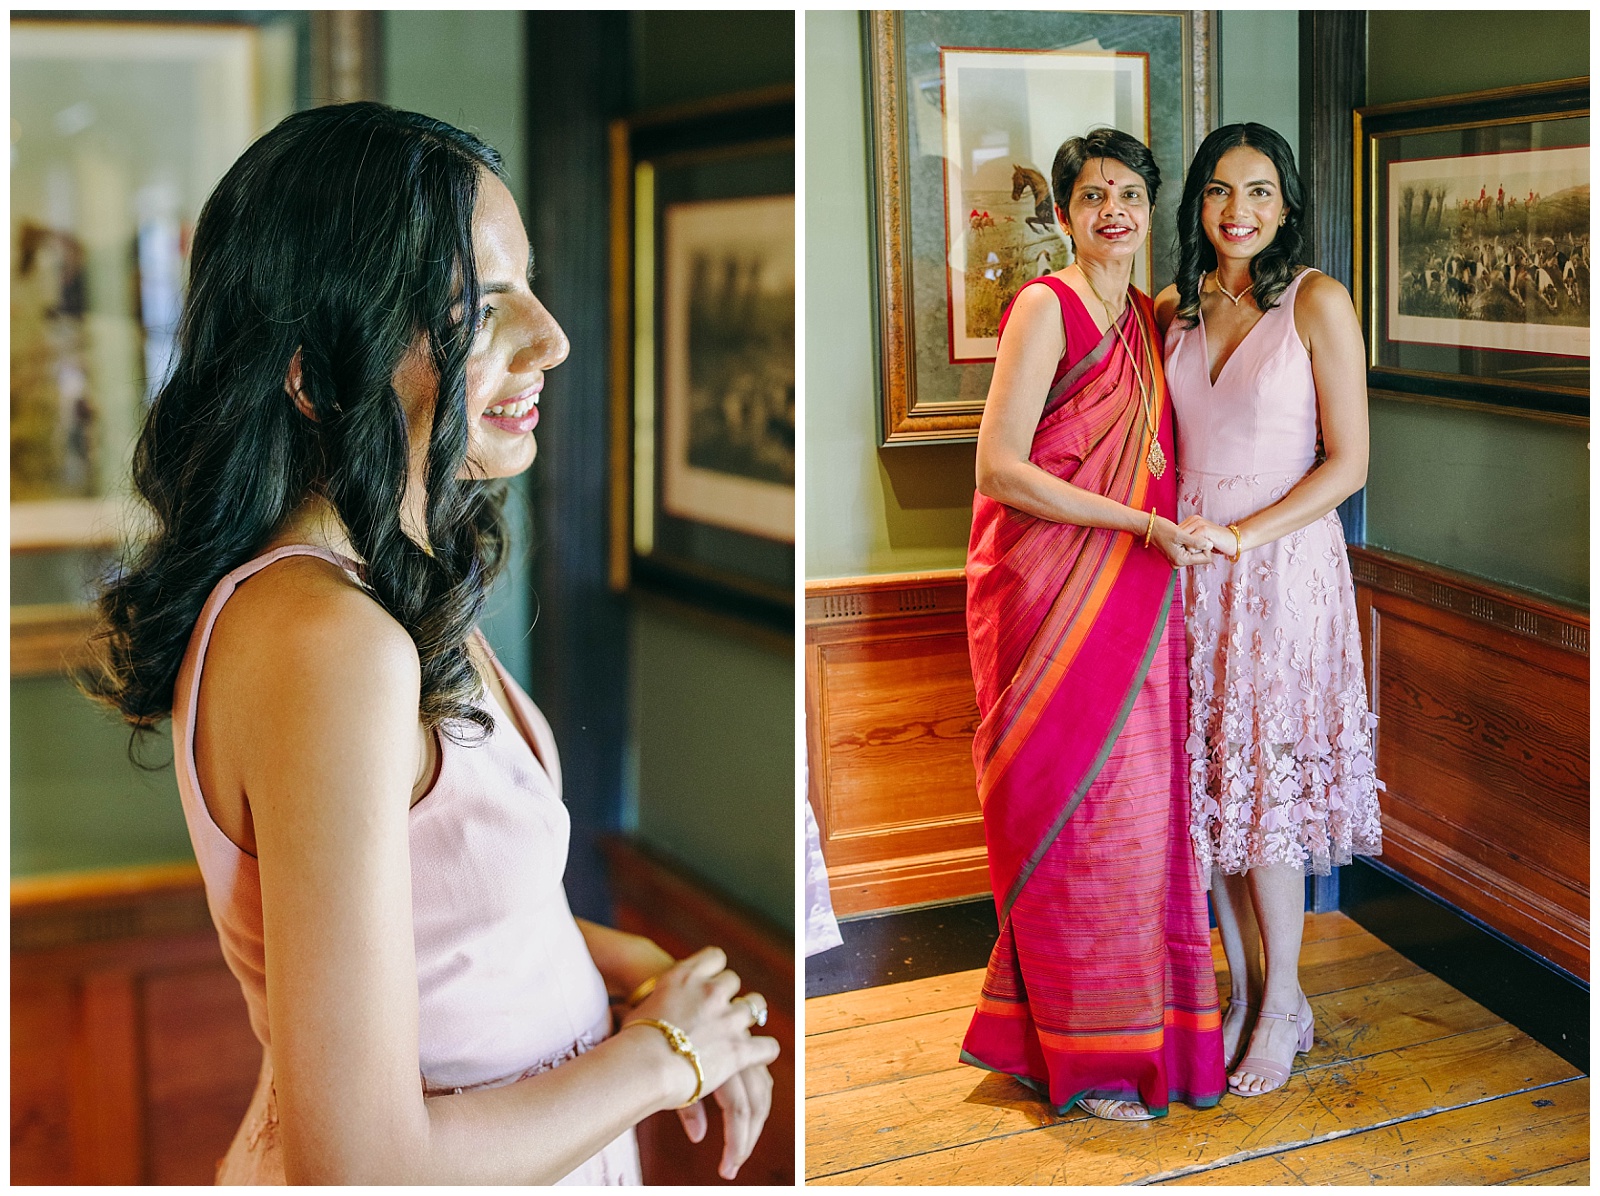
(967, 111)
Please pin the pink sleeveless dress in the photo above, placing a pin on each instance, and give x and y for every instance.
(1280, 734)
(505, 983)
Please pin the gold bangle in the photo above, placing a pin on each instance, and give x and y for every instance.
(1238, 541)
(1149, 531)
(680, 1044)
(646, 987)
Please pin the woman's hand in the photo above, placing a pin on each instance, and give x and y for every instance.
(697, 995)
(1221, 539)
(746, 1099)
(1181, 546)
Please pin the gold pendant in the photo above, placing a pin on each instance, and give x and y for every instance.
(1156, 459)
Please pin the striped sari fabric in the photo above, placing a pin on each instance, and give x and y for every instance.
(1101, 982)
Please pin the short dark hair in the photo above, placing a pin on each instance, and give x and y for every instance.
(1271, 270)
(1102, 142)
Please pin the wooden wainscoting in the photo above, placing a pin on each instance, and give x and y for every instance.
(1482, 697)
(653, 897)
(132, 1059)
(890, 715)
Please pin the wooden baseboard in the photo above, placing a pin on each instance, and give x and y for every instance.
(890, 715)
(132, 1058)
(1483, 704)
(654, 897)
(1482, 697)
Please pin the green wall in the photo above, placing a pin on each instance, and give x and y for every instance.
(713, 708)
(1502, 496)
(1258, 70)
(872, 510)
(714, 742)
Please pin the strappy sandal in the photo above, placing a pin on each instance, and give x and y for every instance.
(1275, 1073)
(1102, 1107)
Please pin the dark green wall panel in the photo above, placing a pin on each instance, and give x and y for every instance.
(77, 802)
(1500, 496)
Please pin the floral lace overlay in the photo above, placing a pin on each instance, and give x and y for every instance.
(1280, 733)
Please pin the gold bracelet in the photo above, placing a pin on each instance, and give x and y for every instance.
(1238, 541)
(680, 1044)
(646, 987)
(1151, 529)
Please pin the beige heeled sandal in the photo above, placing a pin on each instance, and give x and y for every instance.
(1275, 1073)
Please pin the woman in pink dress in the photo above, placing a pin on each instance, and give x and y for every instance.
(1265, 360)
(374, 803)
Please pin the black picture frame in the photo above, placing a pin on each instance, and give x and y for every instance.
(674, 175)
(1447, 143)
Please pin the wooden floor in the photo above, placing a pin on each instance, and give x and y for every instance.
(1409, 1083)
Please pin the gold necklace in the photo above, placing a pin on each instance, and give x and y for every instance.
(1217, 278)
(1155, 460)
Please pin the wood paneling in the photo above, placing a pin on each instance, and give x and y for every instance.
(890, 715)
(1482, 697)
(1483, 704)
(132, 1059)
(655, 898)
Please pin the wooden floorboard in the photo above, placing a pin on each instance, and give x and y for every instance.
(1409, 1082)
(1572, 1175)
(1507, 1140)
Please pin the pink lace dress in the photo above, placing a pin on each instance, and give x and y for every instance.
(1280, 734)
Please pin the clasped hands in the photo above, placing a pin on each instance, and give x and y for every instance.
(1192, 542)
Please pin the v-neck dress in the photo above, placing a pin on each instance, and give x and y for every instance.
(505, 984)
(1280, 733)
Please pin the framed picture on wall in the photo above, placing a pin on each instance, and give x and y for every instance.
(703, 328)
(120, 129)
(967, 110)
(1472, 246)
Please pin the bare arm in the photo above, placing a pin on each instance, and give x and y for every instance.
(1029, 352)
(339, 681)
(625, 960)
(1327, 323)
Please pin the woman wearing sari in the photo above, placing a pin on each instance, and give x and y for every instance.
(1100, 989)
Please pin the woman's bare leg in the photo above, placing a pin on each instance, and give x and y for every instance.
(1241, 943)
(1279, 898)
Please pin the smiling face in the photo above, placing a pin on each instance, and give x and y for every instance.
(1108, 211)
(1242, 208)
(515, 340)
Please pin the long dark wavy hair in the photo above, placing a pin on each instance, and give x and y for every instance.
(344, 233)
(1271, 270)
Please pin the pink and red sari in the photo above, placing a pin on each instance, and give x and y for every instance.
(1101, 984)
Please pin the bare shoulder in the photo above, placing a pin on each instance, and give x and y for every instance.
(1321, 296)
(1033, 304)
(1166, 305)
(307, 637)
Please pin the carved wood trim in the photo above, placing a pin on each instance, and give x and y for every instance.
(1521, 613)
